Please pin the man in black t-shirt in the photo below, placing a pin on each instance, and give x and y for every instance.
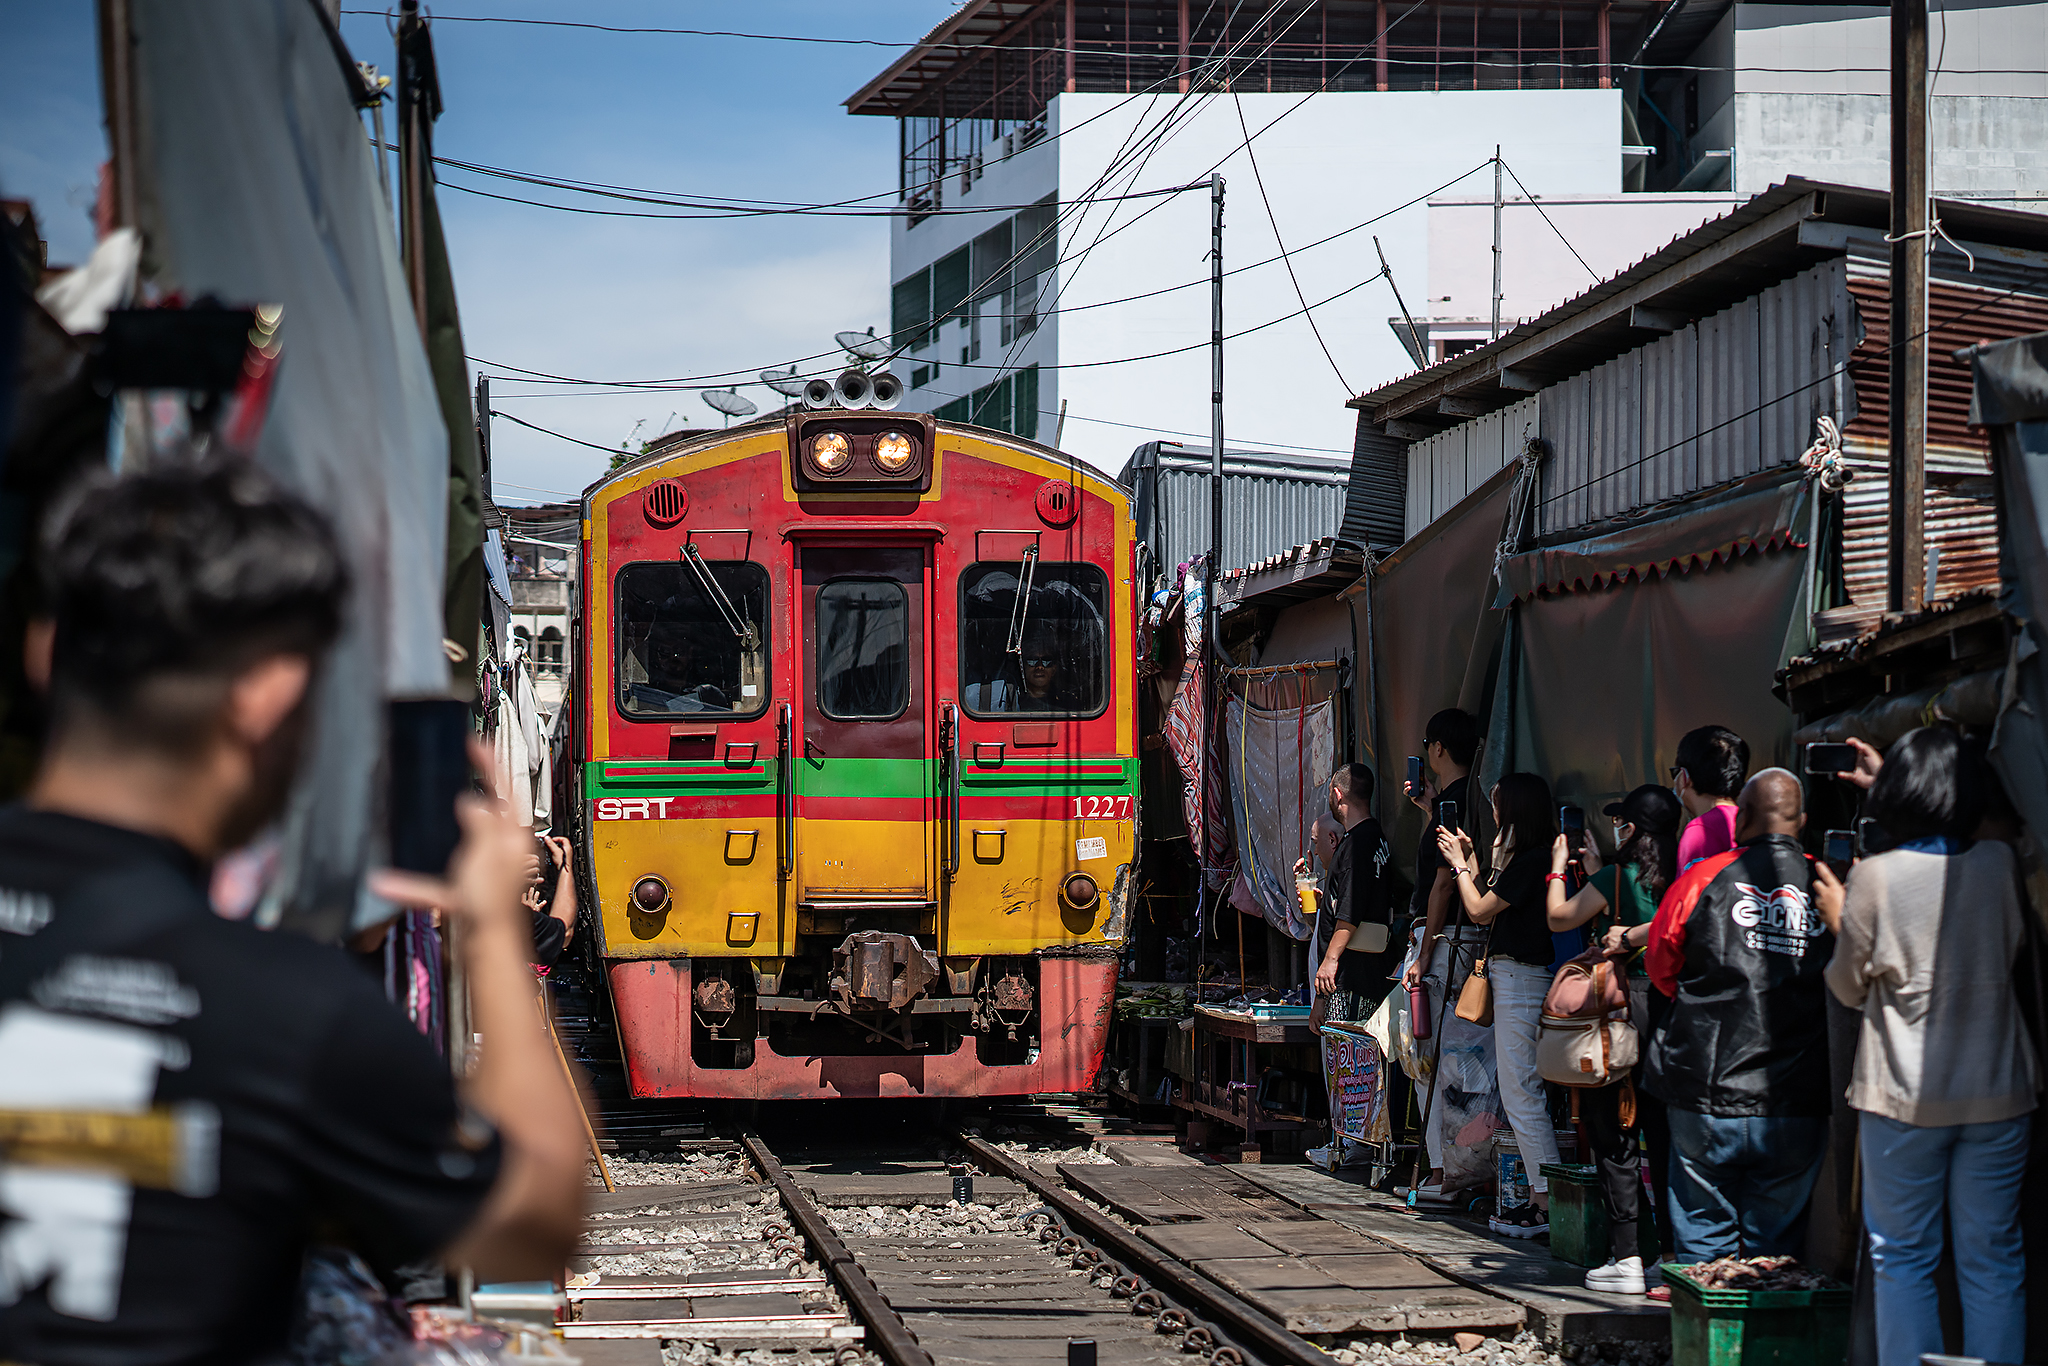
(186, 1102)
(1449, 744)
(1360, 952)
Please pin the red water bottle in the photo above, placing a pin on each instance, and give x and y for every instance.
(1418, 1011)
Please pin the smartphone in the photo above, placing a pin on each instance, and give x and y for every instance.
(429, 768)
(1414, 774)
(1572, 821)
(1824, 759)
(1870, 838)
(1447, 814)
(1838, 847)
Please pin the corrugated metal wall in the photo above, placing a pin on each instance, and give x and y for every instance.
(1449, 465)
(1271, 502)
(1731, 395)
(1375, 503)
(1961, 516)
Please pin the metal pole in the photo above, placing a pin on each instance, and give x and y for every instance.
(1494, 335)
(1905, 585)
(483, 432)
(1209, 642)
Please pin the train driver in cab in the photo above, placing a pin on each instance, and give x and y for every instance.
(1036, 686)
(677, 679)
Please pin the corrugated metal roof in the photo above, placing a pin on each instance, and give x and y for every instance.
(1271, 503)
(1715, 401)
(1961, 512)
(1772, 237)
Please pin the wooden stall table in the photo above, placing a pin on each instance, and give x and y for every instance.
(1230, 1052)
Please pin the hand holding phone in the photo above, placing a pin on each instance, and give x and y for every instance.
(1826, 760)
(1838, 847)
(1572, 821)
(1447, 813)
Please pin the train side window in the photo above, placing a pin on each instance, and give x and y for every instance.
(677, 652)
(1061, 665)
(863, 649)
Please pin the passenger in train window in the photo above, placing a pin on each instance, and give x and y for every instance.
(1058, 665)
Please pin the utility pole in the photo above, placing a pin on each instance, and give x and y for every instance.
(419, 104)
(1906, 573)
(1210, 644)
(1495, 334)
(483, 432)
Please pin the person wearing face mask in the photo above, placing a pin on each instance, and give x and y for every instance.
(1707, 772)
(1518, 966)
(1625, 892)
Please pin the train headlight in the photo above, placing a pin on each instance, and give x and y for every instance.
(650, 895)
(1079, 891)
(831, 451)
(893, 452)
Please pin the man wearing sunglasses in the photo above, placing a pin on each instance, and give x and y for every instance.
(1041, 679)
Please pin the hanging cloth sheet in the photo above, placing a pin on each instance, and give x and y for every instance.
(1279, 761)
(1186, 733)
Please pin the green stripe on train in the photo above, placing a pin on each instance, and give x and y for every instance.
(850, 777)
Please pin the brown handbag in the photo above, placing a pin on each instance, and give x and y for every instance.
(1475, 998)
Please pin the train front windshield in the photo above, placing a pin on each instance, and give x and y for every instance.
(1046, 654)
(681, 650)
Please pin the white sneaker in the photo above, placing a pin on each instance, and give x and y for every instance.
(1624, 1277)
(1357, 1155)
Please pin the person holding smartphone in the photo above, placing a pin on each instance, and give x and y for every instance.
(1626, 891)
(189, 609)
(1450, 742)
(1512, 902)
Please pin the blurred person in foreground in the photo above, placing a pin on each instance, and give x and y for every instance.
(269, 1094)
(1626, 891)
(1945, 1078)
(1741, 1063)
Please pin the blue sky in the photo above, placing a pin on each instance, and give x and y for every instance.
(566, 293)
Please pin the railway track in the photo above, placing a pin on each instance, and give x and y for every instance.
(865, 1257)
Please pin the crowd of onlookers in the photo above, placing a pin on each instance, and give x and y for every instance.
(1717, 929)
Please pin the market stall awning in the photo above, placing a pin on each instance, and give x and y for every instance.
(1765, 512)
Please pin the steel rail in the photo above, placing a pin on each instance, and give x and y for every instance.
(1254, 1329)
(891, 1337)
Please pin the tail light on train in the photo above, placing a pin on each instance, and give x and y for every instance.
(650, 895)
(1079, 891)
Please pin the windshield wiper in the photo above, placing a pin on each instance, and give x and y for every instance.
(742, 629)
(1020, 610)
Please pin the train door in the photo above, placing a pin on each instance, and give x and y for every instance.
(863, 784)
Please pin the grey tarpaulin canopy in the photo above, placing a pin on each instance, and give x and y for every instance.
(2011, 397)
(256, 185)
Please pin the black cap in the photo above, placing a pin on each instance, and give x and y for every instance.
(1649, 807)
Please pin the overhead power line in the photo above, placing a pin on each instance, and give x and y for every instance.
(1318, 58)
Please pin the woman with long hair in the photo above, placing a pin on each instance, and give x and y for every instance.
(1518, 966)
(1626, 891)
(1927, 933)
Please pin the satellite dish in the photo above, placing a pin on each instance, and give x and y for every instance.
(784, 382)
(862, 344)
(730, 403)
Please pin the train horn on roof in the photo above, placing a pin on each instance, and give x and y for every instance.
(853, 389)
(884, 390)
(819, 393)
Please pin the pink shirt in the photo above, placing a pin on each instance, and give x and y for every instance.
(1704, 836)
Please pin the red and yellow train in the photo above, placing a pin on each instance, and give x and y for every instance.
(858, 766)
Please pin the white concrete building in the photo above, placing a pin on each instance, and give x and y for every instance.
(1009, 307)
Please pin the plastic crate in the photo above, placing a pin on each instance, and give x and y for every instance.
(1578, 1214)
(1756, 1327)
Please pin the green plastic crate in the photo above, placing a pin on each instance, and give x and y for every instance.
(1578, 1214)
(1756, 1327)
